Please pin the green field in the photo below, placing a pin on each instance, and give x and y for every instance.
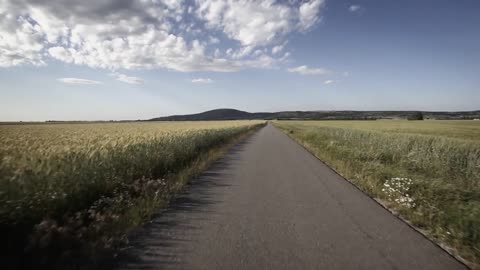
(449, 128)
(428, 171)
(65, 186)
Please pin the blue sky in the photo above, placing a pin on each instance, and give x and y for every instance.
(100, 60)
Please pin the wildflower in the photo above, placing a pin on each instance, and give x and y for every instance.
(397, 190)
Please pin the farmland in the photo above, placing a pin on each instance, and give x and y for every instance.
(86, 185)
(427, 171)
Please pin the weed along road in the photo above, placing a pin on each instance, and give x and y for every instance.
(269, 204)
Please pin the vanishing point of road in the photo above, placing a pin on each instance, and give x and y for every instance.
(269, 204)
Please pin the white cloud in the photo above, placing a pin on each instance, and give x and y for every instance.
(309, 13)
(172, 34)
(354, 8)
(214, 40)
(202, 80)
(61, 54)
(252, 23)
(258, 22)
(78, 81)
(328, 82)
(277, 49)
(21, 42)
(127, 79)
(305, 70)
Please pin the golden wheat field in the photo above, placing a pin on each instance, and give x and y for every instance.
(90, 183)
(45, 164)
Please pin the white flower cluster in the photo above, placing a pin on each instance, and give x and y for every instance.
(397, 190)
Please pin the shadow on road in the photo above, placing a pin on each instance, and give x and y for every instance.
(157, 244)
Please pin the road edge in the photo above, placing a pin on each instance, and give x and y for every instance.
(189, 175)
(448, 250)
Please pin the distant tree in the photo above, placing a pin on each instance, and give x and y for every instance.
(416, 116)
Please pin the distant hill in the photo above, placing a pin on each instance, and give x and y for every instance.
(219, 114)
(232, 114)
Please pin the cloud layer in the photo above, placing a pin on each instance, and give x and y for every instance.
(202, 80)
(78, 81)
(127, 79)
(214, 35)
(305, 70)
(328, 82)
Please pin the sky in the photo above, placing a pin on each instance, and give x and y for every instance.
(126, 59)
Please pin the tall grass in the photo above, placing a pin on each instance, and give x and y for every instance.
(469, 130)
(433, 181)
(87, 184)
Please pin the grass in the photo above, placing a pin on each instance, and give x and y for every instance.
(428, 171)
(469, 130)
(74, 190)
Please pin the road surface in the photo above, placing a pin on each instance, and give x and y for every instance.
(269, 204)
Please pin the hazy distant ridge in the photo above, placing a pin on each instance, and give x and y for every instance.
(232, 114)
(218, 114)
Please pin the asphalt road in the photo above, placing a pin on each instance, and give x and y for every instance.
(269, 204)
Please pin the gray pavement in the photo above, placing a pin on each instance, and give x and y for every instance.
(269, 204)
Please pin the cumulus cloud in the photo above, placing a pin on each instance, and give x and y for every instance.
(61, 54)
(127, 79)
(305, 70)
(309, 13)
(252, 23)
(277, 49)
(21, 42)
(258, 22)
(78, 81)
(354, 8)
(171, 34)
(202, 80)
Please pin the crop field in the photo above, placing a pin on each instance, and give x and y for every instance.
(443, 128)
(90, 183)
(427, 171)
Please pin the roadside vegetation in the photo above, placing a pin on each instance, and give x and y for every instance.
(427, 171)
(69, 193)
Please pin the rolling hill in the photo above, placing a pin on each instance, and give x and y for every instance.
(232, 114)
(218, 114)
